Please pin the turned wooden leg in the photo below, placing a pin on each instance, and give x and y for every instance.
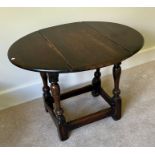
(96, 83)
(61, 122)
(116, 105)
(46, 91)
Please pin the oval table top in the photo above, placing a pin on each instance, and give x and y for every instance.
(75, 47)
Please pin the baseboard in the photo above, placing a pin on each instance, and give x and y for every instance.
(144, 56)
(28, 92)
(20, 94)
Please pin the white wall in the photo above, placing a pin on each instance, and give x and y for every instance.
(17, 85)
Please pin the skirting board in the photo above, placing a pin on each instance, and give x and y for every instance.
(28, 92)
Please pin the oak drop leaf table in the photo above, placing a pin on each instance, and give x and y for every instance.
(77, 47)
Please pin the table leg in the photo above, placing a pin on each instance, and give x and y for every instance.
(61, 122)
(46, 91)
(96, 83)
(116, 99)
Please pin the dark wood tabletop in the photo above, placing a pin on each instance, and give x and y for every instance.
(75, 47)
